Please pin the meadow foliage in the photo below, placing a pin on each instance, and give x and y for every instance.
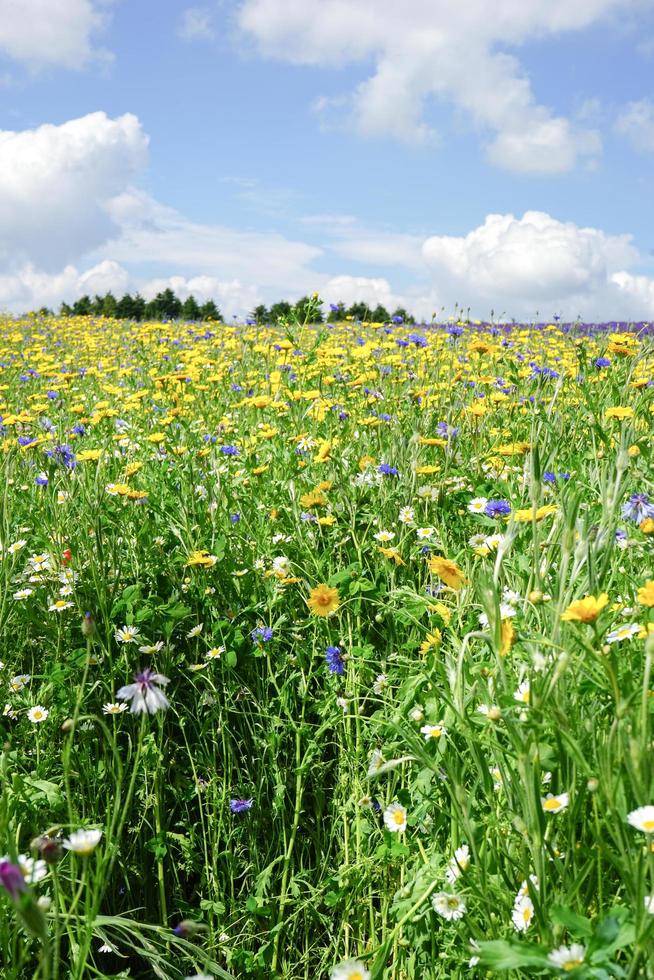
(326, 650)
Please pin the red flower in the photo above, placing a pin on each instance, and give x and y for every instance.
(66, 556)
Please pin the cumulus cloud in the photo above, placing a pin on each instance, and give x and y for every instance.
(31, 288)
(426, 49)
(536, 262)
(51, 32)
(56, 183)
(636, 124)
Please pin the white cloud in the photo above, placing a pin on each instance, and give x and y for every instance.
(51, 32)
(521, 265)
(154, 233)
(636, 124)
(30, 288)
(232, 296)
(426, 49)
(56, 183)
(196, 23)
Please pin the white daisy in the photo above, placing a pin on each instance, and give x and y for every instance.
(395, 817)
(37, 714)
(448, 906)
(523, 913)
(567, 958)
(350, 970)
(127, 634)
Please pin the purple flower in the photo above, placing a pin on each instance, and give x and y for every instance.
(549, 477)
(229, 450)
(387, 470)
(334, 660)
(234, 518)
(144, 693)
(638, 508)
(240, 806)
(602, 362)
(11, 878)
(262, 634)
(497, 508)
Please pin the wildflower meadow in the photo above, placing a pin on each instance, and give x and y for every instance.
(326, 649)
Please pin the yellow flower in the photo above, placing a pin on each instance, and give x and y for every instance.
(327, 521)
(393, 554)
(646, 593)
(446, 570)
(201, 558)
(313, 499)
(647, 526)
(507, 637)
(432, 640)
(585, 610)
(619, 412)
(323, 600)
(89, 454)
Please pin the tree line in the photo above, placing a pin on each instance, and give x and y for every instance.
(167, 306)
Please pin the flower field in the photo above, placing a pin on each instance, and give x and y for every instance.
(326, 651)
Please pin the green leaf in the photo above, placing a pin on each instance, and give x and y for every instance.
(577, 925)
(230, 658)
(500, 954)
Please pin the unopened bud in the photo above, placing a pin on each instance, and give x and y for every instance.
(88, 625)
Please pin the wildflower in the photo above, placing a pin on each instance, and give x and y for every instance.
(395, 818)
(433, 731)
(638, 508)
(554, 804)
(48, 846)
(261, 634)
(144, 693)
(127, 634)
(59, 606)
(323, 600)
(497, 508)
(448, 906)
(88, 626)
(523, 913)
(381, 683)
(195, 631)
(37, 714)
(446, 570)
(432, 640)
(626, 632)
(387, 470)
(407, 515)
(23, 594)
(18, 682)
(384, 536)
(350, 970)
(523, 693)
(152, 647)
(83, 842)
(376, 763)
(113, 708)
(568, 958)
(11, 878)
(642, 819)
(422, 533)
(215, 653)
(585, 610)
(32, 869)
(645, 595)
(334, 660)
(459, 863)
(240, 806)
(477, 505)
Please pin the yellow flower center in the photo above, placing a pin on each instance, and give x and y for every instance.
(648, 825)
(398, 817)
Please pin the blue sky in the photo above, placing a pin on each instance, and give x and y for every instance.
(263, 148)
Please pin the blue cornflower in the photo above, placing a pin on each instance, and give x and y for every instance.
(41, 480)
(262, 634)
(638, 508)
(53, 395)
(418, 340)
(334, 660)
(78, 430)
(549, 477)
(387, 470)
(234, 518)
(397, 319)
(385, 417)
(229, 450)
(602, 362)
(240, 806)
(25, 440)
(497, 508)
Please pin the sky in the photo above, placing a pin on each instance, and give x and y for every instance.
(422, 153)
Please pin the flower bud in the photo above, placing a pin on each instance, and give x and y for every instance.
(88, 625)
